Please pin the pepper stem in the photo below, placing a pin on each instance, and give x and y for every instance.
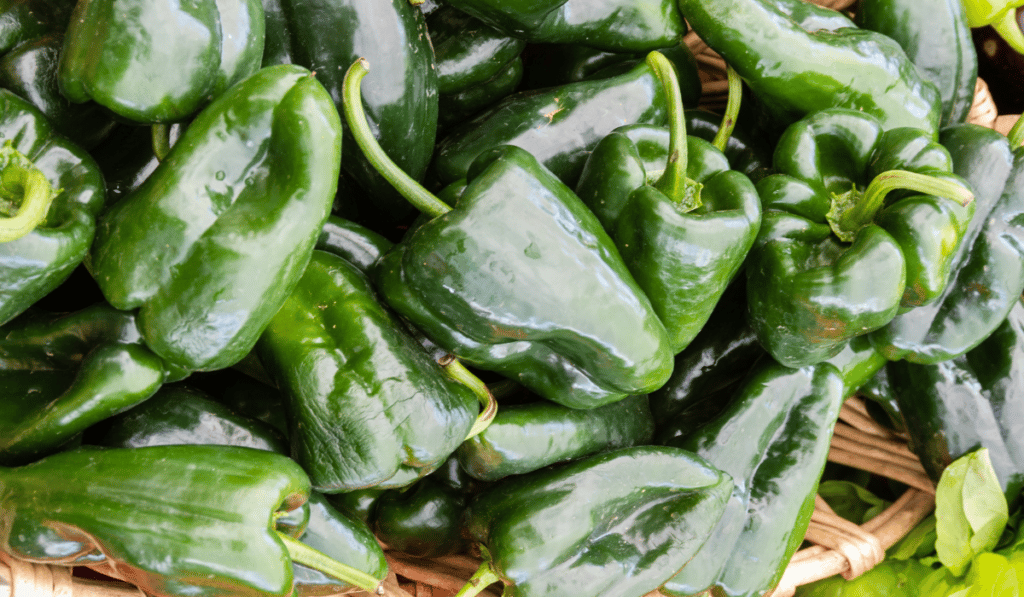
(1016, 134)
(1008, 29)
(457, 371)
(732, 109)
(161, 140)
(25, 194)
(674, 182)
(301, 553)
(355, 116)
(484, 577)
(850, 212)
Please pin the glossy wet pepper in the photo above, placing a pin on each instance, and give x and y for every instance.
(232, 215)
(837, 256)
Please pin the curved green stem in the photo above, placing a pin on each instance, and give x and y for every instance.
(355, 116)
(25, 194)
(732, 109)
(1008, 29)
(457, 371)
(484, 577)
(1016, 134)
(161, 140)
(674, 182)
(848, 216)
(301, 553)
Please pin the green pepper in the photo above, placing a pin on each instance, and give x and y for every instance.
(773, 439)
(1001, 15)
(975, 400)
(367, 405)
(325, 36)
(681, 219)
(63, 373)
(986, 275)
(569, 530)
(31, 38)
(468, 52)
(494, 294)
(559, 126)
(422, 520)
(158, 61)
(617, 25)
(525, 437)
(183, 415)
(354, 243)
(231, 217)
(794, 70)
(214, 506)
(746, 151)
(839, 253)
(936, 37)
(58, 191)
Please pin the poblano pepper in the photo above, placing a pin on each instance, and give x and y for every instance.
(59, 374)
(231, 217)
(617, 524)
(794, 71)
(423, 520)
(986, 275)
(215, 508)
(50, 194)
(773, 440)
(366, 403)
(156, 60)
(681, 219)
(488, 281)
(839, 253)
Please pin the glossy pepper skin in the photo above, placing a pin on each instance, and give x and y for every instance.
(108, 519)
(559, 126)
(616, 524)
(401, 98)
(156, 60)
(62, 373)
(986, 275)
(525, 437)
(232, 215)
(793, 70)
(494, 293)
(773, 439)
(615, 26)
(937, 38)
(367, 405)
(353, 242)
(975, 400)
(34, 264)
(31, 38)
(814, 281)
(423, 520)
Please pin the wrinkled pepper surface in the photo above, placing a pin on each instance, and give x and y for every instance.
(158, 60)
(617, 524)
(367, 405)
(38, 253)
(232, 215)
(839, 253)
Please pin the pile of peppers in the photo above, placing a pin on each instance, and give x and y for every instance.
(284, 283)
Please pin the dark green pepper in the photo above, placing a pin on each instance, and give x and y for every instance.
(618, 524)
(38, 252)
(159, 61)
(354, 243)
(615, 25)
(422, 520)
(681, 219)
(231, 217)
(215, 507)
(468, 52)
(773, 439)
(63, 373)
(837, 256)
(937, 39)
(794, 70)
(325, 36)
(367, 404)
(986, 275)
(525, 437)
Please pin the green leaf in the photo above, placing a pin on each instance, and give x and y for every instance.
(970, 511)
(992, 575)
(918, 543)
(851, 501)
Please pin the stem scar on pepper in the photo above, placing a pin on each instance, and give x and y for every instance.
(25, 194)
